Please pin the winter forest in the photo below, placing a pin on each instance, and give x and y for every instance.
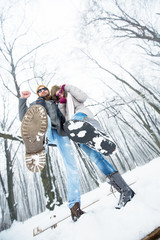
(109, 49)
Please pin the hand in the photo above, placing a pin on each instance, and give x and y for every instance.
(63, 100)
(25, 94)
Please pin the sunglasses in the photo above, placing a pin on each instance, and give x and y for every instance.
(42, 89)
(59, 92)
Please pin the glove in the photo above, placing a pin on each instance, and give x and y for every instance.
(62, 88)
(63, 100)
(40, 101)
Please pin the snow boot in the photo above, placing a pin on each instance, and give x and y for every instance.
(33, 129)
(76, 212)
(126, 193)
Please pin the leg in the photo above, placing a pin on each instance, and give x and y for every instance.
(98, 159)
(115, 179)
(126, 193)
(73, 184)
(95, 156)
(83, 131)
(49, 134)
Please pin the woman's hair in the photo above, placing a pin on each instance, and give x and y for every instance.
(54, 89)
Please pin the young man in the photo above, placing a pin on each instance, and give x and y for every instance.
(35, 126)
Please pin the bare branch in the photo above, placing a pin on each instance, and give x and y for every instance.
(2, 183)
(138, 92)
(11, 137)
(34, 49)
(126, 26)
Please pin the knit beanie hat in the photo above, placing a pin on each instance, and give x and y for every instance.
(47, 97)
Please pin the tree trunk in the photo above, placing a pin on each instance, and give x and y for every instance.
(10, 197)
(49, 183)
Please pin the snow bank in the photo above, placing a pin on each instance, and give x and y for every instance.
(102, 220)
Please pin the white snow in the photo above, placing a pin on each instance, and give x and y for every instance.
(36, 158)
(82, 134)
(72, 135)
(102, 220)
(75, 125)
(37, 138)
(98, 142)
(40, 134)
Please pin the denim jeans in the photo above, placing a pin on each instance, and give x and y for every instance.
(66, 150)
(94, 156)
(67, 153)
(98, 159)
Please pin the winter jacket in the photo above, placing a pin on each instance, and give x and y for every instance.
(57, 119)
(75, 103)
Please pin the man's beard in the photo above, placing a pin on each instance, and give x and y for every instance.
(48, 97)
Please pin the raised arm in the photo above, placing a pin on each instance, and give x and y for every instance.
(76, 93)
(22, 104)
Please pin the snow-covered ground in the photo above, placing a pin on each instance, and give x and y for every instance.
(102, 220)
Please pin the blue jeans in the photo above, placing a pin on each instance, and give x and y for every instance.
(94, 156)
(67, 153)
(98, 159)
(66, 150)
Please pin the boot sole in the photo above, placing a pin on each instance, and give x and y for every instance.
(33, 129)
(36, 162)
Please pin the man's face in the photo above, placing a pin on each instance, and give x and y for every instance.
(43, 92)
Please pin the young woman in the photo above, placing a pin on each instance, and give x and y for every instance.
(70, 100)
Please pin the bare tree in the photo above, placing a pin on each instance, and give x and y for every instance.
(49, 182)
(11, 66)
(10, 193)
(114, 19)
(126, 25)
